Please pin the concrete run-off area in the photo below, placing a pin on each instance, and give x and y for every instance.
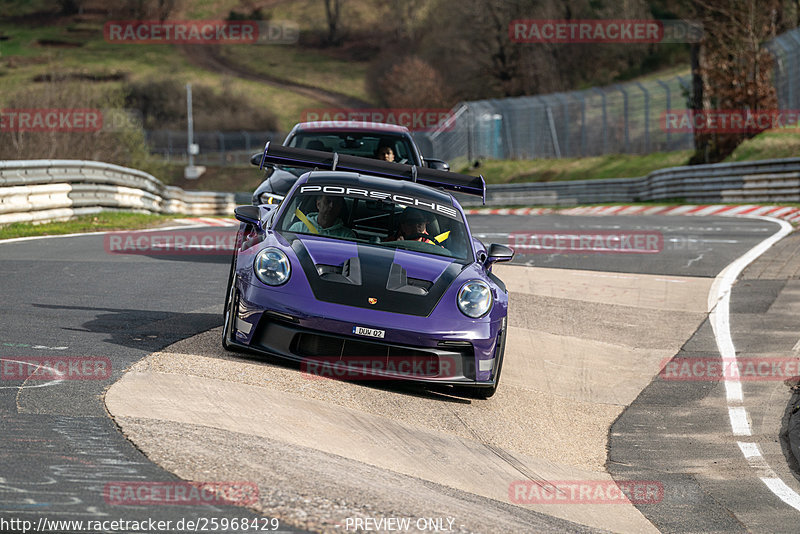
(582, 346)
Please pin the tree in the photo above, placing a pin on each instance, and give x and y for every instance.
(404, 17)
(469, 41)
(734, 69)
(412, 82)
(333, 12)
(69, 7)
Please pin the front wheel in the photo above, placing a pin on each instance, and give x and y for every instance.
(485, 393)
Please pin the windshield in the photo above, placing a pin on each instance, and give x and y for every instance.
(381, 218)
(361, 144)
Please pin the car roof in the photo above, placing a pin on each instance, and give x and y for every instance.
(351, 126)
(392, 185)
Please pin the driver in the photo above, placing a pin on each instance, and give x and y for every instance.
(326, 220)
(413, 226)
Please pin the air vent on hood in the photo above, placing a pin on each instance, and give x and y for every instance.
(399, 281)
(348, 272)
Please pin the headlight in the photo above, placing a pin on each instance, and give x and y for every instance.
(272, 266)
(474, 299)
(270, 198)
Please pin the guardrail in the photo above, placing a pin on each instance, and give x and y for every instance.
(48, 190)
(776, 180)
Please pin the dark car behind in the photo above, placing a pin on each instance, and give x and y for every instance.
(351, 138)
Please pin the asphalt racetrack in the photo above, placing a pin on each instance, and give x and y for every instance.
(583, 397)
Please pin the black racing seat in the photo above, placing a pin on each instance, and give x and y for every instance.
(316, 144)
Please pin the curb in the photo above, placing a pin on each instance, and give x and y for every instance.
(786, 213)
(207, 221)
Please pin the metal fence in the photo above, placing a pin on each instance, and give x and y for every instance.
(216, 148)
(622, 118)
(786, 50)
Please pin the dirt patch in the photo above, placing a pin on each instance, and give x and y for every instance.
(57, 43)
(23, 61)
(81, 76)
(209, 58)
(86, 32)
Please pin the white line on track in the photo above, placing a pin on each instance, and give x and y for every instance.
(784, 492)
(58, 373)
(739, 422)
(719, 300)
(750, 451)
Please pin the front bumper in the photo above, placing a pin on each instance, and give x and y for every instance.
(324, 344)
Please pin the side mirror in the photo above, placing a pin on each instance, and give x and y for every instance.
(248, 215)
(499, 253)
(438, 164)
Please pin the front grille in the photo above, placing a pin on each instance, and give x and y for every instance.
(310, 345)
(358, 354)
(293, 341)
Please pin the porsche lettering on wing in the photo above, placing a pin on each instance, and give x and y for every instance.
(380, 195)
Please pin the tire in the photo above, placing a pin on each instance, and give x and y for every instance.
(484, 392)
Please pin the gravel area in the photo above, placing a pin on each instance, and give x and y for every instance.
(293, 480)
(517, 418)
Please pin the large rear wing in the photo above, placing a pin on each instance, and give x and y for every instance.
(333, 161)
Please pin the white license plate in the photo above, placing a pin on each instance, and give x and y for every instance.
(369, 332)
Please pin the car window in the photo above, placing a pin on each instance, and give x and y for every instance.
(375, 217)
(354, 144)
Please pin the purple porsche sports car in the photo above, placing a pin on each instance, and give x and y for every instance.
(369, 268)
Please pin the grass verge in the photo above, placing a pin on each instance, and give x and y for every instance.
(230, 179)
(547, 170)
(768, 145)
(107, 220)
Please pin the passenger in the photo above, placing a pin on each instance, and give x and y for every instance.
(326, 220)
(413, 226)
(385, 152)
